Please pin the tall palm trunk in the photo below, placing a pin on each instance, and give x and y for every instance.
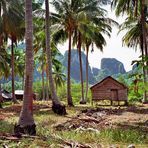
(145, 47)
(23, 79)
(26, 122)
(12, 72)
(57, 106)
(69, 97)
(43, 84)
(87, 49)
(47, 84)
(143, 69)
(82, 101)
(0, 95)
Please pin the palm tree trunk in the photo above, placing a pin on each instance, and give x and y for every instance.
(87, 49)
(144, 71)
(69, 98)
(26, 122)
(145, 75)
(57, 107)
(82, 101)
(23, 79)
(1, 99)
(47, 83)
(145, 48)
(43, 84)
(12, 72)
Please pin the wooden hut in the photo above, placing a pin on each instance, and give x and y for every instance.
(19, 94)
(109, 89)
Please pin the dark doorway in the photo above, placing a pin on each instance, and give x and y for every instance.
(114, 94)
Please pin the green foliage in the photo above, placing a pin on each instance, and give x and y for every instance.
(136, 96)
(122, 79)
(5, 127)
(75, 92)
(7, 86)
(125, 136)
(82, 137)
(62, 92)
(37, 88)
(109, 135)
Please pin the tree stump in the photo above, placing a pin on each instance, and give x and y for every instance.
(82, 102)
(29, 130)
(59, 109)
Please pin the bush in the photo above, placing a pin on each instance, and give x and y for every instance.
(136, 95)
(75, 92)
(8, 86)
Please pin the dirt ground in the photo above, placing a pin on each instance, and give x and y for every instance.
(86, 118)
(100, 117)
(113, 117)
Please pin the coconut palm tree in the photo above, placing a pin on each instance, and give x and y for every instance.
(59, 76)
(56, 106)
(1, 99)
(134, 38)
(26, 122)
(95, 37)
(91, 26)
(4, 68)
(12, 16)
(95, 25)
(136, 7)
(66, 20)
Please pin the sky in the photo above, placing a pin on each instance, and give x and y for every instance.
(113, 49)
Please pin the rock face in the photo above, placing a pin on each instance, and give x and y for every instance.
(112, 66)
(75, 68)
(95, 71)
(134, 67)
(109, 66)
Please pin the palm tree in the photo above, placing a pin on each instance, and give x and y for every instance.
(82, 101)
(19, 64)
(138, 8)
(56, 106)
(59, 76)
(144, 38)
(91, 26)
(26, 122)
(12, 16)
(66, 19)
(4, 68)
(96, 38)
(1, 99)
(133, 38)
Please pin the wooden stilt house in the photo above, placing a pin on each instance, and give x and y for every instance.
(109, 89)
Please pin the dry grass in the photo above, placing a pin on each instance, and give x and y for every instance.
(128, 124)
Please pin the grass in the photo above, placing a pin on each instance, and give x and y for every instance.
(46, 120)
(7, 104)
(107, 136)
(124, 136)
(6, 127)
